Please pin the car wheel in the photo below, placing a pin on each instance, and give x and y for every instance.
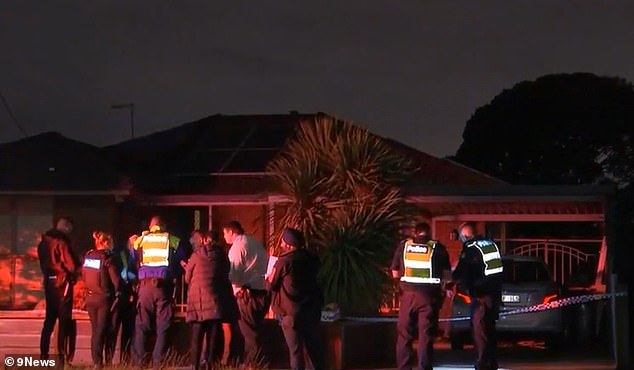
(457, 343)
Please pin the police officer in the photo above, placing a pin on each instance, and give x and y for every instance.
(125, 311)
(60, 268)
(102, 292)
(297, 298)
(159, 267)
(479, 270)
(422, 266)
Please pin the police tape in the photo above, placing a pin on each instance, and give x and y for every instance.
(563, 302)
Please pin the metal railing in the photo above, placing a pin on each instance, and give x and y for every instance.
(563, 260)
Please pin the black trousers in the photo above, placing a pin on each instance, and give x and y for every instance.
(236, 344)
(484, 313)
(59, 307)
(211, 332)
(98, 307)
(302, 333)
(122, 318)
(253, 308)
(155, 312)
(418, 314)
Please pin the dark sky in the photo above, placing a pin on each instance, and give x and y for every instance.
(411, 70)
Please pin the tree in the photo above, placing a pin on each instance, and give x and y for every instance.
(559, 129)
(342, 182)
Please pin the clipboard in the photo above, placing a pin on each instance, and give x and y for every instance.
(269, 268)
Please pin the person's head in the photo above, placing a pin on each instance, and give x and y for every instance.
(231, 231)
(103, 240)
(214, 236)
(197, 239)
(466, 231)
(157, 222)
(292, 239)
(64, 224)
(422, 230)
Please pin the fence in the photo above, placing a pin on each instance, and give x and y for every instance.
(569, 265)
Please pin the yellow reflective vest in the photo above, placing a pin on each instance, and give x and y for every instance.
(155, 246)
(417, 262)
(490, 255)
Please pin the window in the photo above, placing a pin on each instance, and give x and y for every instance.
(518, 272)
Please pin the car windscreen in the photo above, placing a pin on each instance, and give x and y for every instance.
(518, 272)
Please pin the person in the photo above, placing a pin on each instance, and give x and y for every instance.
(125, 311)
(422, 267)
(210, 297)
(103, 290)
(479, 270)
(60, 269)
(248, 260)
(297, 299)
(159, 267)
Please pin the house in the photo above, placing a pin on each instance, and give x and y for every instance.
(204, 173)
(44, 177)
(207, 172)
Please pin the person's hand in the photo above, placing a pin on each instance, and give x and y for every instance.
(131, 241)
(449, 293)
(184, 264)
(243, 293)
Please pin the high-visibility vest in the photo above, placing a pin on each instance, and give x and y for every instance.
(156, 249)
(417, 262)
(490, 255)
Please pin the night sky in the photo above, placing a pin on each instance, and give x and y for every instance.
(411, 70)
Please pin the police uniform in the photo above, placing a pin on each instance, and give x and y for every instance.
(102, 290)
(480, 271)
(420, 263)
(159, 266)
(125, 311)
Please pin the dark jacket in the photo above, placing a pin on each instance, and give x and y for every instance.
(469, 273)
(102, 280)
(57, 261)
(294, 286)
(209, 294)
(127, 263)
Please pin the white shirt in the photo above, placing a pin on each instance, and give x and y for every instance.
(248, 260)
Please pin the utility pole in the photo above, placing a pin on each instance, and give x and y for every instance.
(128, 106)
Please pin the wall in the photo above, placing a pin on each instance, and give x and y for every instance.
(253, 218)
(23, 220)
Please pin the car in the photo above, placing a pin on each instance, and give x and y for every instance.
(526, 282)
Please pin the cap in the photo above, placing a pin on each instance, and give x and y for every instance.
(293, 237)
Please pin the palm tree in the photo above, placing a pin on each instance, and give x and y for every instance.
(342, 184)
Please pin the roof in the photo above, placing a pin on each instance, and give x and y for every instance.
(442, 171)
(507, 191)
(516, 207)
(50, 162)
(198, 154)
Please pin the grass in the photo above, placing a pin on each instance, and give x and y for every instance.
(173, 360)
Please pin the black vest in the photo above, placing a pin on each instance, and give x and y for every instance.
(95, 273)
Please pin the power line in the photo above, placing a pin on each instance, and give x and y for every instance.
(15, 121)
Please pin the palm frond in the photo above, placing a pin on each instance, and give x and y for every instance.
(341, 180)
